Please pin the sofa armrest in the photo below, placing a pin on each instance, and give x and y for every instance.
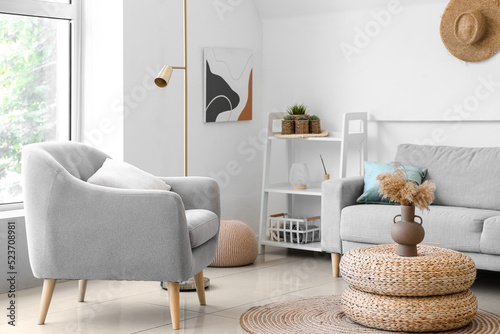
(336, 195)
(196, 192)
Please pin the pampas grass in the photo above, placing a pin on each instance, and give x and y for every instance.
(399, 188)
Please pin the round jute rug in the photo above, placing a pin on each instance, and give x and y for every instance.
(318, 315)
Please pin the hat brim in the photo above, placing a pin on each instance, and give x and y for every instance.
(488, 45)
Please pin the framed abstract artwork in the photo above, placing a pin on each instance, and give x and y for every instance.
(228, 85)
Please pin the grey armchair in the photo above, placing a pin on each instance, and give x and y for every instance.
(77, 230)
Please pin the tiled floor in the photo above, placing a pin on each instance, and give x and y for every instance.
(142, 307)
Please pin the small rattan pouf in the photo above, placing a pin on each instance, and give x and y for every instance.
(410, 314)
(237, 245)
(426, 293)
(435, 271)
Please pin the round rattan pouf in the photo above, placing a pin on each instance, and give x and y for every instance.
(410, 314)
(435, 271)
(426, 293)
(237, 245)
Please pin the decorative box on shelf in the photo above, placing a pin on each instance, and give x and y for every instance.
(283, 227)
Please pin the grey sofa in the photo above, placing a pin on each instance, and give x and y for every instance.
(465, 215)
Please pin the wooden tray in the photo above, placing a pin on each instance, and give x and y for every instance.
(323, 133)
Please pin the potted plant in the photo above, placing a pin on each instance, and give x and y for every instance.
(287, 125)
(301, 125)
(314, 124)
(297, 110)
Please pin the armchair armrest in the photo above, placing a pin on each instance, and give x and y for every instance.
(336, 195)
(196, 192)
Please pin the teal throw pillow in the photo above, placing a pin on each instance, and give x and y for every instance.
(373, 169)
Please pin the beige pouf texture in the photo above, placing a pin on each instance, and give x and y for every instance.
(410, 314)
(435, 271)
(425, 293)
(237, 245)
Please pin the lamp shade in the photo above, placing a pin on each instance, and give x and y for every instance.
(164, 76)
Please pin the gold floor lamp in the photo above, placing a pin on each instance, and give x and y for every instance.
(162, 81)
(164, 77)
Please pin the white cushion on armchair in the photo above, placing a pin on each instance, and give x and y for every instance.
(118, 174)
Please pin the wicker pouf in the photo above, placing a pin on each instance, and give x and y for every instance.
(426, 293)
(435, 271)
(237, 245)
(410, 314)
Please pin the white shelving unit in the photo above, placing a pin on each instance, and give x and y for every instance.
(353, 137)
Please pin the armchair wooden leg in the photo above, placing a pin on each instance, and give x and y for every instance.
(335, 264)
(200, 287)
(82, 287)
(173, 298)
(47, 291)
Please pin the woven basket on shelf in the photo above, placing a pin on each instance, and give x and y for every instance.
(301, 126)
(315, 126)
(410, 314)
(287, 127)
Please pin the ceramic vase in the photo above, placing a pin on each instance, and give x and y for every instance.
(407, 233)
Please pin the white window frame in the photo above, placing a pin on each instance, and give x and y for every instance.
(73, 13)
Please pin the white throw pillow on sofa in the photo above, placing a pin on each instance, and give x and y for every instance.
(118, 174)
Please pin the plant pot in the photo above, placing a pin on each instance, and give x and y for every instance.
(301, 126)
(315, 126)
(407, 233)
(287, 127)
(299, 116)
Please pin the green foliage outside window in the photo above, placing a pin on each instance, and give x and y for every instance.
(28, 93)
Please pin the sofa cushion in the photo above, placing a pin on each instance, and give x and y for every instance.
(203, 225)
(467, 177)
(490, 239)
(456, 228)
(372, 185)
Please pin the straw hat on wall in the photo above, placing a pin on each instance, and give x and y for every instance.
(470, 29)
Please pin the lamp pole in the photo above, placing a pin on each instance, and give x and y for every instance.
(164, 77)
(185, 92)
(162, 81)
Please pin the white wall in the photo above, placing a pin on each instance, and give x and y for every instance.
(396, 68)
(102, 114)
(153, 116)
(404, 76)
(229, 152)
(154, 124)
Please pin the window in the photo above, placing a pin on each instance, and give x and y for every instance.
(39, 86)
